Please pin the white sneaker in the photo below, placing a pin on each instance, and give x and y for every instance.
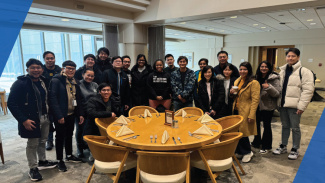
(280, 150)
(293, 155)
(247, 157)
(264, 151)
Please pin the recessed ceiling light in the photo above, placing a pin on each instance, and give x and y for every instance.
(182, 23)
(310, 20)
(313, 23)
(222, 30)
(211, 29)
(301, 9)
(263, 27)
(255, 24)
(65, 20)
(233, 17)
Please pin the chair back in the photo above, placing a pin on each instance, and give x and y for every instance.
(192, 110)
(230, 123)
(222, 150)
(102, 124)
(102, 151)
(163, 163)
(140, 110)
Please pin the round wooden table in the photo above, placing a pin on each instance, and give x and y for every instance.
(145, 127)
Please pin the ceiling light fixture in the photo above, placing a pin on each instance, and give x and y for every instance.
(211, 29)
(310, 20)
(65, 20)
(182, 23)
(222, 30)
(263, 27)
(255, 24)
(313, 23)
(233, 17)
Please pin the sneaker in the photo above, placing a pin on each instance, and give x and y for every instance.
(293, 154)
(280, 150)
(49, 145)
(247, 157)
(46, 164)
(35, 175)
(81, 155)
(264, 151)
(61, 166)
(72, 158)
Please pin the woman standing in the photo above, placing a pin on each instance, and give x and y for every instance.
(270, 91)
(202, 63)
(245, 104)
(89, 61)
(211, 93)
(228, 82)
(88, 89)
(159, 86)
(139, 74)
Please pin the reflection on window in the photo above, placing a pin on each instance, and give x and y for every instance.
(54, 42)
(31, 44)
(88, 46)
(75, 49)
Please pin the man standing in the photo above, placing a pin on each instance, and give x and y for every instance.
(66, 106)
(50, 69)
(126, 64)
(182, 81)
(297, 91)
(28, 104)
(103, 61)
(223, 60)
(120, 85)
(169, 58)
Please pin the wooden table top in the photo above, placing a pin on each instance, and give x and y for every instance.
(155, 126)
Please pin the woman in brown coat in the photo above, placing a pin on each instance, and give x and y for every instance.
(245, 104)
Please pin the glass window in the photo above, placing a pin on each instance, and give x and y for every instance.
(75, 49)
(88, 44)
(54, 42)
(99, 43)
(31, 44)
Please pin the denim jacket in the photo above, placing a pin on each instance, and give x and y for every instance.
(177, 88)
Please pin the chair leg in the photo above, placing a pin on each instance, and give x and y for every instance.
(236, 173)
(207, 167)
(1, 154)
(137, 180)
(91, 173)
(240, 167)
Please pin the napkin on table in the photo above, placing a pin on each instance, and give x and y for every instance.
(124, 130)
(122, 120)
(147, 113)
(203, 130)
(181, 113)
(205, 118)
(165, 137)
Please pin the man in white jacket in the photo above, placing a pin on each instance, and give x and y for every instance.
(297, 91)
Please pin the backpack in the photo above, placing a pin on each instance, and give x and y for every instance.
(312, 99)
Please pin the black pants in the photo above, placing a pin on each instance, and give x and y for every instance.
(244, 146)
(64, 133)
(266, 140)
(81, 144)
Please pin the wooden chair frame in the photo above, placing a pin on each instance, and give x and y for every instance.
(103, 123)
(3, 102)
(231, 124)
(102, 151)
(192, 110)
(219, 151)
(140, 110)
(163, 163)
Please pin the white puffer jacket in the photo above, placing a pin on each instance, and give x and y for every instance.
(299, 92)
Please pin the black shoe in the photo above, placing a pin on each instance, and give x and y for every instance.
(49, 145)
(81, 155)
(72, 158)
(46, 164)
(35, 175)
(61, 166)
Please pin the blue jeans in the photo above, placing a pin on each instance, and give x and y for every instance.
(290, 120)
(178, 104)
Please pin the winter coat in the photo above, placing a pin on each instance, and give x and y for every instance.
(49, 75)
(217, 95)
(248, 102)
(299, 91)
(270, 95)
(58, 98)
(103, 65)
(96, 108)
(177, 88)
(139, 88)
(159, 85)
(98, 74)
(23, 105)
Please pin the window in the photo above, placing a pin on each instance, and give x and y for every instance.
(75, 49)
(88, 44)
(31, 44)
(54, 42)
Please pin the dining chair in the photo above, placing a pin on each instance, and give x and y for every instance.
(217, 157)
(231, 124)
(154, 167)
(1, 151)
(3, 102)
(140, 110)
(192, 110)
(109, 159)
(102, 124)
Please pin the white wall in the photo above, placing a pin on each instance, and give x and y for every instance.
(311, 44)
(201, 48)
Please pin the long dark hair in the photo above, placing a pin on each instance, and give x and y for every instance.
(155, 63)
(204, 70)
(258, 70)
(231, 67)
(250, 77)
(138, 58)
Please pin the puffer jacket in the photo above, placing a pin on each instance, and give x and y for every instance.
(299, 92)
(270, 95)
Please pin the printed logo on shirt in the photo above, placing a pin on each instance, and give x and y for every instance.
(159, 80)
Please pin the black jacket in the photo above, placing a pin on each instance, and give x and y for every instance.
(98, 74)
(46, 72)
(58, 98)
(96, 108)
(103, 64)
(139, 88)
(23, 105)
(217, 95)
(218, 70)
(159, 85)
(227, 108)
(110, 77)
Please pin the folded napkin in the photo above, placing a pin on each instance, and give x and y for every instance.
(181, 113)
(205, 118)
(124, 130)
(203, 130)
(147, 113)
(165, 137)
(122, 120)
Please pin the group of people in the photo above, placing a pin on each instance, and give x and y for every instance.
(105, 87)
